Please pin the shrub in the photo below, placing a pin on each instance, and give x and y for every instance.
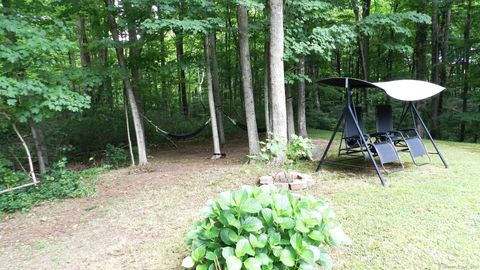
(299, 148)
(263, 228)
(59, 182)
(115, 156)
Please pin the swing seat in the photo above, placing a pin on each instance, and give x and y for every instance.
(406, 140)
(387, 153)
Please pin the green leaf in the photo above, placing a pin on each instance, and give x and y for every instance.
(296, 241)
(307, 255)
(227, 252)
(252, 264)
(251, 206)
(285, 222)
(199, 253)
(263, 258)
(188, 262)
(243, 247)
(325, 260)
(201, 267)
(233, 263)
(231, 219)
(267, 215)
(228, 236)
(316, 235)
(339, 237)
(210, 256)
(252, 224)
(287, 258)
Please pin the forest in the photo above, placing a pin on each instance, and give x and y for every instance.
(91, 86)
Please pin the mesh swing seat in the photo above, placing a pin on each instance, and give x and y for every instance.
(405, 140)
(354, 144)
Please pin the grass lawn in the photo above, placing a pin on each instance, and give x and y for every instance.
(427, 217)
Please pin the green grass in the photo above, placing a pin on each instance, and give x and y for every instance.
(427, 217)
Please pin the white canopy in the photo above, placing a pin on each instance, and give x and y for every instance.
(410, 90)
(404, 90)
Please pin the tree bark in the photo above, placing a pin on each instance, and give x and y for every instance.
(40, 146)
(290, 115)
(277, 76)
(302, 119)
(267, 91)
(315, 87)
(466, 67)
(217, 90)
(211, 99)
(182, 88)
(137, 120)
(435, 66)
(83, 43)
(253, 142)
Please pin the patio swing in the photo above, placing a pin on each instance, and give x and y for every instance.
(386, 142)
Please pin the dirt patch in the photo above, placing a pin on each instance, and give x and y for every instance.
(137, 219)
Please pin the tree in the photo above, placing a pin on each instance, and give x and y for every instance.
(137, 120)
(253, 142)
(277, 77)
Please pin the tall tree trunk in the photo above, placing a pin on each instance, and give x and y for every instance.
(217, 90)
(40, 146)
(466, 66)
(435, 66)
(290, 114)
(267, 90)
(137, 120)
(182, 88)
(315, 87)
(277, 76)
(134, 65)
(83, 43)
(253, 143)
(364, 47)
(302, 119)
(420, 62)
(211, 99)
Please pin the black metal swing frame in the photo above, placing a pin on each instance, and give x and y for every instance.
(409, 107)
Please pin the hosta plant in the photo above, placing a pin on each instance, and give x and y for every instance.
(299, 148)
(263, 228)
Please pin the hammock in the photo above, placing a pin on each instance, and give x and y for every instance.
(243, 126)
(185, 136)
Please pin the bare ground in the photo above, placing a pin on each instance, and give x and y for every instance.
(137, 220)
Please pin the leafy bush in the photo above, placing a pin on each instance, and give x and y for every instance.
(264, 228)
(59, 182)
(115, 156)
(299, 148)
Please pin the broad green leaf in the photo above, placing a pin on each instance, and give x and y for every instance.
(233, 263)
(251, 206)
(316, 252)
(252, 224)
(285, 222)
(263, 258)
(325, 260)
(188, 262)
(228, 236)
(240, 196)
(339, 237)
(287, 257)
(307, 255)
(316, 235)
(210, 256)
(231, 219)
(262, 240)
(243, 247)
(296, 241)
(198, 253)
(201, 267)
(252, 264)
(227, 252)
(267, 215)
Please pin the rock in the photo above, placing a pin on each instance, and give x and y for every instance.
(298, 185)
(266, 180)
(281, 177)
(310, 182)
(304, 176)
(281, 185)
(295, 175)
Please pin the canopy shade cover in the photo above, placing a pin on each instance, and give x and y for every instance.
(405, 90)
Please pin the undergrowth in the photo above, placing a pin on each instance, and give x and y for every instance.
(59, 182)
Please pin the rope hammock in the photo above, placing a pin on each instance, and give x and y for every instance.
(187, 136)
